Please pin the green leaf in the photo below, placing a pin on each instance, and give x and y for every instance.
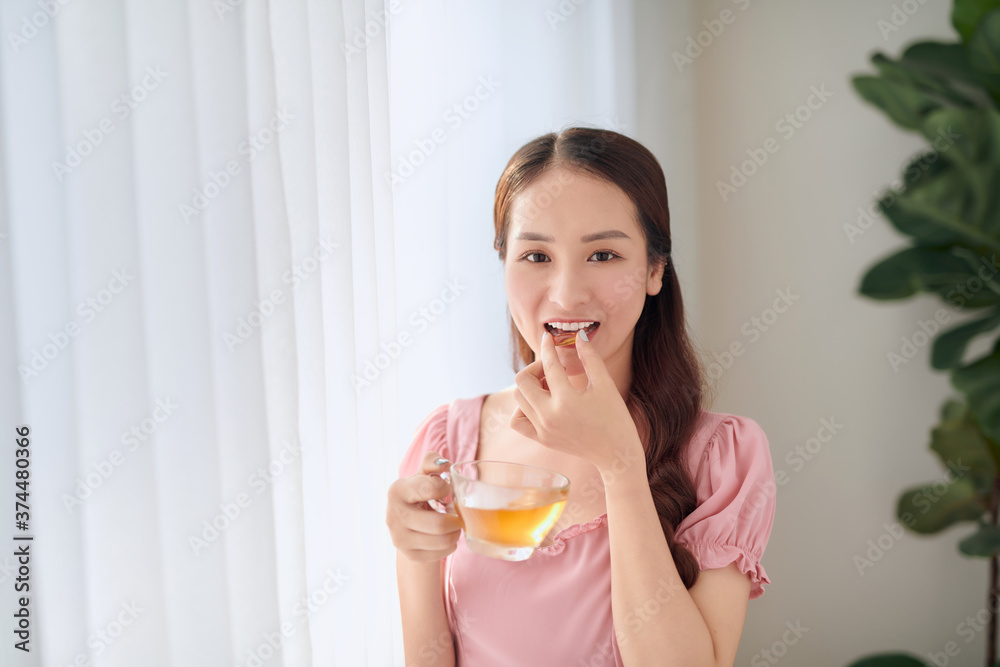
(984, 45)
(980, 382)
(889, 660)
(943, 210)
(965, 14)
(950, 346)
(932, 508)
(947, 61)
(922, 167)
(984, 543)
(913, 270)
(928, 82)
(904, 104)
(962, 449)
(964, 136)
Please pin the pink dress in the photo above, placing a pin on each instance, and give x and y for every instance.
(555, 607)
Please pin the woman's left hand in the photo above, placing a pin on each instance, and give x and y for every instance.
(594, 424)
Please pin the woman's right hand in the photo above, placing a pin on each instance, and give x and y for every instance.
(418, 532)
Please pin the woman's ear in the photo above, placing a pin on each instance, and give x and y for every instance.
(655, 280)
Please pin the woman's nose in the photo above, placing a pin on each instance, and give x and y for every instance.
(568, 290)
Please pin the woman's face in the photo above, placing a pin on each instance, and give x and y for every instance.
(576, 253)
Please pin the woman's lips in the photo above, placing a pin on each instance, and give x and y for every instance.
(568, 338)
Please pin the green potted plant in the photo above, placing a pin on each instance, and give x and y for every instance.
(948, 207)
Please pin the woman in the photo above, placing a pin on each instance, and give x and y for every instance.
(671, 505)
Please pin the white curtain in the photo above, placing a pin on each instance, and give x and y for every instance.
(222, 317)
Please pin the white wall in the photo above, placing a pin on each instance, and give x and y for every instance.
(826, 357)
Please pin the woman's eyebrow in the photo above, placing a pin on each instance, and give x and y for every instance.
(598, 236)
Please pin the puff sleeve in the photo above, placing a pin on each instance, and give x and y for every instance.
(431, 435)
(734, 483)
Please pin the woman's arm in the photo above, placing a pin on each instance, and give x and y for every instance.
(426, 636)
(657, 620)
(423, 538)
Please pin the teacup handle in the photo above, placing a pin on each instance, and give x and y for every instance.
(448, 506)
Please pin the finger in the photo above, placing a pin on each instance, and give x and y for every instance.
(524, 416)
(534, 369)
(421, 488)
(593, 364)
(529, 381)
(420, 542)
(553, 368)
(429, 522)
(428, 463)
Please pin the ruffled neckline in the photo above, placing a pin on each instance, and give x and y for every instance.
(569, 532)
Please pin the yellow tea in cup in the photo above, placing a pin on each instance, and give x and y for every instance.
(506, 509)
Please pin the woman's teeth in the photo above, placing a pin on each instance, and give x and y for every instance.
(572, 326)
(565, 334)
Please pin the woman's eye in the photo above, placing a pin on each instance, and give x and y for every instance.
(527, 256)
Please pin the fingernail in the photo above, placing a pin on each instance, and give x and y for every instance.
(583, 334)
(440, 462)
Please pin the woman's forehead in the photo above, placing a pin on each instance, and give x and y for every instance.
(565, 205)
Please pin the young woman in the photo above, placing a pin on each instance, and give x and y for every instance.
(670, 507)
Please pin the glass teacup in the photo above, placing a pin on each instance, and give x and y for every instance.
(506, 509)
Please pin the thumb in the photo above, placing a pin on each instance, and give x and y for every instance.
(433, 463)
(593, 365)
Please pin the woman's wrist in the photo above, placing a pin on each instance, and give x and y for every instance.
(625, 462)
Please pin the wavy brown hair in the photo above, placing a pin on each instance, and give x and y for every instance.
(666, 392)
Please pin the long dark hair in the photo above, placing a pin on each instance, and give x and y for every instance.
(666, 392)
